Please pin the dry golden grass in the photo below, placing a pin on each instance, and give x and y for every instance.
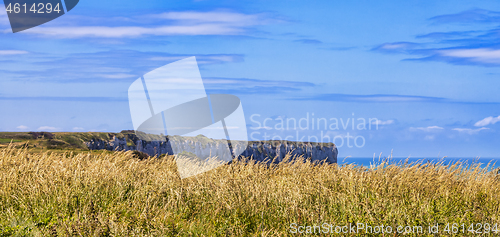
(115, 194)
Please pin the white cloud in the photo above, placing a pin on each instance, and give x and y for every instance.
(257, 128)
(12, 52)
(394, 98)
(133, 31)
(4, 19)
(391, 46)
(427, 129)
(203, 59)
(430, 137)
(116, 76)
(78, 129)
(47, 128)
(226, 17)
(469, 130)
(380, 122)
(178, 23)
(168, 58)
(487, 121)
(483, 55)
(22, 127)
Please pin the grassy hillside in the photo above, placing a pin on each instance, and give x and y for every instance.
(75, 141)
(59, 140)
(115, 194)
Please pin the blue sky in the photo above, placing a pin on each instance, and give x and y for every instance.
(426, 71)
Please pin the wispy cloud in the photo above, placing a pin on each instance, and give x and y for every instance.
(48, 128)
(134, 31)
(480, 55)
(12, 52)
(227, 17)
(487, 121)
(4, 19)
(427, 129)
(54, 98)
(488, 57)
(430, 137)
(101, 66)
(203, 59)
(252, 86)
(309, 41)
(22, 127)
(78, 129)
(468, 47)
(469, 131)
(164, 24)
(381, 122)
(341, 48)
(468, 16)
(116, 76)
(396, 47)
(448, 35)
(459, 56)
(379, 98)
(212, 85)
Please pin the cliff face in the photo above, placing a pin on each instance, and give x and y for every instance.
(260, 151)
(263, 150)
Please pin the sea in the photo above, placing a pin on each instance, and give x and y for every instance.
(490, 163)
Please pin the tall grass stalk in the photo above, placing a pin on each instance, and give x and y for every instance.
(44, 194)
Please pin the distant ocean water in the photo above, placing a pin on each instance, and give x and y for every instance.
(495, 162)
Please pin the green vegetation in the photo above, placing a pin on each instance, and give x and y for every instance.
(75, 141)
(121, 194)
(6, 140)
(60, 140)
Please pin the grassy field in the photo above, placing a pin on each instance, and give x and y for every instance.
(116, 194)
(59, 140)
